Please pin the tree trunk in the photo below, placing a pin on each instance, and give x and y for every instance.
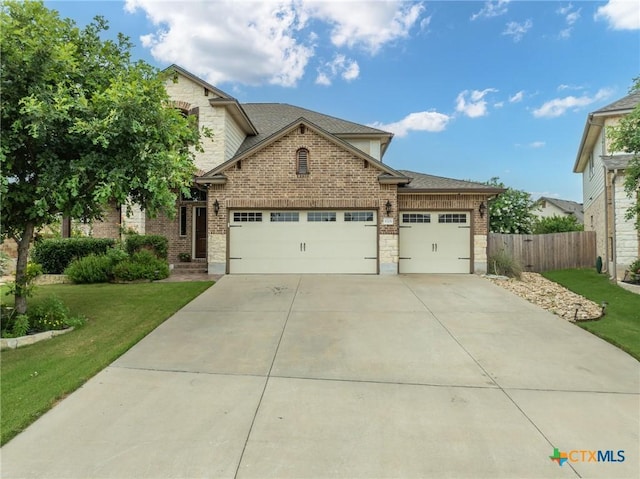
(21, 268)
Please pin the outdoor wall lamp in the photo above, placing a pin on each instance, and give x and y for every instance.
(216, 207)
(481, 209)
(388, 207)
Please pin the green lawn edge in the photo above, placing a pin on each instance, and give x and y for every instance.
(621, 324)
(34, 378)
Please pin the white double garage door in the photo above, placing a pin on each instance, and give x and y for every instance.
(345, 241)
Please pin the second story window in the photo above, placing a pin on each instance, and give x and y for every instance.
(302, 161)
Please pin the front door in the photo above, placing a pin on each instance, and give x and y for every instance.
(201, 232)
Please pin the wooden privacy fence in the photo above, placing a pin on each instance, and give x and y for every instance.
(547, 252)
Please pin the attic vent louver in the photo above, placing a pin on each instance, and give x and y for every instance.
(302, 161)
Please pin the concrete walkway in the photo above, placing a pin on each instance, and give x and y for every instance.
(348, 377)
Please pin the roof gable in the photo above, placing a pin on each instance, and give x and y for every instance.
(198, 81)
(389, 174)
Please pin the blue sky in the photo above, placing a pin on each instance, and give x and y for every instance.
(472, 89)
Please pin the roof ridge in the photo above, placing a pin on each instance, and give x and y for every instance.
(315, 112)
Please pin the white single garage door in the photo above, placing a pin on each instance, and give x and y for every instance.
(435, 242)
(330, 241)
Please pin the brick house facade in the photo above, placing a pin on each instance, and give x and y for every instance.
(251, 169)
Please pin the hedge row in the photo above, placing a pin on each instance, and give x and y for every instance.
(56, 254)
(156, 243)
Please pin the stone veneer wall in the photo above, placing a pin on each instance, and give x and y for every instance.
(595, 220)
(626, 241)
(188, 95)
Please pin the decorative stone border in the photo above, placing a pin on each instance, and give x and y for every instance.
(52, 279)
(13, 343)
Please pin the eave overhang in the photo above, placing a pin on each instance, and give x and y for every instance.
(237, 113)
(218, 179)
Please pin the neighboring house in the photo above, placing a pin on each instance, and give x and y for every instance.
(282, 189)
(546, 207)
(605, 201)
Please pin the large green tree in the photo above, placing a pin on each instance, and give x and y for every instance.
(511, 212)
(82, 125)
(625, 137)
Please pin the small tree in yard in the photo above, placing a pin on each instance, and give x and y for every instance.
(511, 211)
(625, 137)
(82, 126)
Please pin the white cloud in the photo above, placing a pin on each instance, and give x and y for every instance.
(492, 9)
(430, 121)
(473, 103)
(517, 97)
(533, 144)
(370, 25)
(559, 106)
(517, 30)
(346, 68)
(270, 41)
(620, 14)
(569, 87)
(571, 16)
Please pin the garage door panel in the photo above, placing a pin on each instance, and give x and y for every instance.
(435, 242)
(318, 242)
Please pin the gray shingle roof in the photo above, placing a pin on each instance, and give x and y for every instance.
(422, 181)
(627, 103)
(269, 118)
(569, 207)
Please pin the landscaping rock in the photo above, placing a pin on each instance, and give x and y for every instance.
(551, 296)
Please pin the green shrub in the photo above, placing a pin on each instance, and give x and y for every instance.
(56, 254)
(141, 265)
(90, 269)
(13, 325)
(50, 314)
(501, 263)
(116, 255)
(556, 224)
(156, 243)
(20, 326)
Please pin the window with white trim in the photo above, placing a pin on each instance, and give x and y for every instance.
(452, 218)
(285, 217)
(358, 216)
(318, 216)
(416, 218)
(247, 216)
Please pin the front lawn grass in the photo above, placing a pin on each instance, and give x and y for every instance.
(35, 377)
(621, 324)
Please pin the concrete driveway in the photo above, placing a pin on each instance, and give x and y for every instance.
(348, 377)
